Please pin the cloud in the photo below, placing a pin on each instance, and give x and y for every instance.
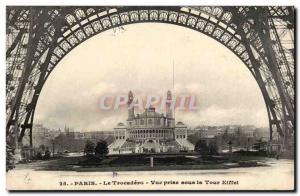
(141, 59)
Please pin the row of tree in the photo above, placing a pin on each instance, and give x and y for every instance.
(204, 148)
(211, 148)
(99, 150)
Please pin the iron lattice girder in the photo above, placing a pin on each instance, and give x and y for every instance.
(274, 58)
(73, 25)
(256, 26)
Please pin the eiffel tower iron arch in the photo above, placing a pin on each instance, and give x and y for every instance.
(42, 36)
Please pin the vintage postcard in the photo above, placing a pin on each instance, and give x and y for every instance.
(186, 98)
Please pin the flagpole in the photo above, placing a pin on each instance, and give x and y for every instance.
(174, 88)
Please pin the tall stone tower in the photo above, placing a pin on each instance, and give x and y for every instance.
(130, 106)
(169, 111)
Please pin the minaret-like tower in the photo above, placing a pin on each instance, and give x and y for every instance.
(169, 105)
(130, 106)
(169, 110)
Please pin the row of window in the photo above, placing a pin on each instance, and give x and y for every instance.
(148, 135)
(120, 137)
(180, 136)
(150, 121)
(148, 131)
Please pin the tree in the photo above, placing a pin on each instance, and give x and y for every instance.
(47, 154)
(42, 148)
(213, 148)
(230, 146)
(101, 148)
(39, 156)
(193, 138)
(201, 147)
(89, 148)
(225, 134)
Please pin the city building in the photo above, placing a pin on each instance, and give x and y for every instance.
(150, 131)
(43, 136)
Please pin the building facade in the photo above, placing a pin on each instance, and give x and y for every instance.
(150, 131)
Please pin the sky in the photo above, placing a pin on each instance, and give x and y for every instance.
(140, 58)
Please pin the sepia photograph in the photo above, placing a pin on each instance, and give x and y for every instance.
(150, 98)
